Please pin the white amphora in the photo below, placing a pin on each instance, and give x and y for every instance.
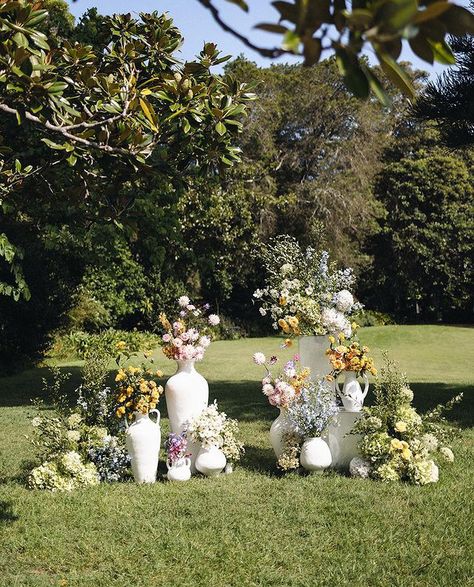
(312, 351)
(351, 394)
(315, 455)
(180, 470)
(210, 461)
(143, 439)
(278, 429)
(187, 395)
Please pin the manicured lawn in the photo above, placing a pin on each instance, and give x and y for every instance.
(255, 527)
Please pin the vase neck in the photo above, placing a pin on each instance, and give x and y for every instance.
(140, 416)
(350, 375)
(186, 366)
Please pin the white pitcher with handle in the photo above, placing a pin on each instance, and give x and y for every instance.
(143, 439)
(351, 394)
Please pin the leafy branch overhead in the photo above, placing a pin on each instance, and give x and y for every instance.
(312, 28)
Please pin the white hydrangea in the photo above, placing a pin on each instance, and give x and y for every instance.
(74, 420)
(344, 300)
(447, 453)
(335, 321)
(430, 442)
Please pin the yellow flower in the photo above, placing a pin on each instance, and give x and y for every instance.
(120, 376)
(129, 390)
(400, 426)
(120, 412)
(283, 325)
(341, 336)
(164, 321)
(396, 444)
(292, 321)
(355, 326)
(329, 378)
(121, 345)
(159, 373)
(342, 349)
(332, 340)
(283, 301)
(288, 342)
(121, 398)
(406, 454)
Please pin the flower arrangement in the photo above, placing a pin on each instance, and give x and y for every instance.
(349, 355)
(187, 337)
(176, 445)
(65, 472)
(284, 388)
(312, 410)
(398, 444)
(137, 390)
(306, 295)
(214, 428)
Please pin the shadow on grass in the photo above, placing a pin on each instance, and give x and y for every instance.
(7, 515)
(242, 400)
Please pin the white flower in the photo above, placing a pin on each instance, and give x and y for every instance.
(258, 293)
(183, 301)
(359, 468)
(74, 420)
(74, 435)
(335, 321)
(204, 341)
(286, 268)
(308, 291)
(259, 359)
(262, 311)
(214, 319)
(190, 307)
(268, 389)
(447, 453)
(344, 300)
(36, 421)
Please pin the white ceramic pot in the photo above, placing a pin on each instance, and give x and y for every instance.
(279, 427)
(312, 351)
(179, 470)
(143, 439)
(315, 455)
(343, 444)
(351, 394)
(187, 394)
(210, 461)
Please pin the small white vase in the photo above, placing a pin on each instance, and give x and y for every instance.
(179, 470)
(315, 455)
(278, 429)
(187, 395)
(210, 461)
(351, 394)
(143, 439)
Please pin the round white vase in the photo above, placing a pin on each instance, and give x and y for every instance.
(312, 351)
(143, 439)
(210, 461)
(187, 395)
(180, 470)
(351, 394)
(278, 429)
(315, 455)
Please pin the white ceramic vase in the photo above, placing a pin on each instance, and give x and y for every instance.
(351, 394)
(187, 394)
(143, 439)
(279, 427)
(312, 351)
(180, 470)
(210, 461)
(315, 455)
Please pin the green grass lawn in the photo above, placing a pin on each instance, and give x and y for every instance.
(254, 527)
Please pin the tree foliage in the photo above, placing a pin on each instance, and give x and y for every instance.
(315, 28)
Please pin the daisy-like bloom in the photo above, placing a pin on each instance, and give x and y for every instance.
(214, 319)
(183, 301)
(204, 341)
(177, 342)
(259, 359)
(166, 337)
(262, 311)
(268, 389)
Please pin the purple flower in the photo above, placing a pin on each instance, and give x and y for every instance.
(273, 360)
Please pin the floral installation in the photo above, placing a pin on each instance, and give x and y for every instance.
(214, 428)
(349, 355)
(110, 459)
(282, 389)
(188, 335)
(65, 472)
(290, 457)
(398, 444)
(176, 445)
(137, 389)
(305, 295)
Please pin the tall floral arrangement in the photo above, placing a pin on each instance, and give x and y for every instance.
(187, 336)
(305, 294)
(312, 410)
(398, 444)
(349, 355)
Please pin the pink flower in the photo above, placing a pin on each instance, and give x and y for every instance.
(204, 341)
(177, 326)
(177, 342)
(182, 313)
(214, 319)
(166, 337)
(184, 336)
(193, 334)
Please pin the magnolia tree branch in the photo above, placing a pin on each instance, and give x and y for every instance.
(272, 53)
(64, 131)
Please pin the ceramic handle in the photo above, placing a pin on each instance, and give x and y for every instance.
(187, 461)
(157, 416)
(366, 388)
(168, 465)
(337, 384)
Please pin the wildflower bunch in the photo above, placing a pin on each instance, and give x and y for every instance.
(188, 335)
(398, 443)
(176, 445)
(310, 413)
(305, 294)
(349, 355)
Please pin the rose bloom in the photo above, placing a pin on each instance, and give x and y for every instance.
(166, 337)
(177, 342)
(184, 336)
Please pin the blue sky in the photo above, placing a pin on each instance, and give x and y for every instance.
(197, 25)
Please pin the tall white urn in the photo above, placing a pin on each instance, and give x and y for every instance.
(278, 429)
(143, 439)
(187, 395)
(312, 351)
